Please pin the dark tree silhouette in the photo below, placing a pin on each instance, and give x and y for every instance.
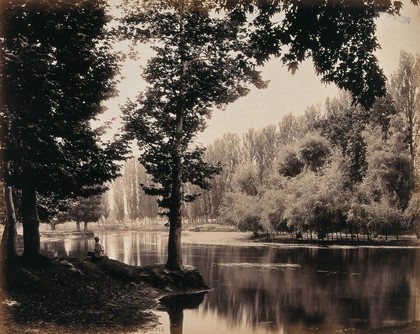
(57, 69)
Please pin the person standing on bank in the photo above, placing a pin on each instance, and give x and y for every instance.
(99, 250)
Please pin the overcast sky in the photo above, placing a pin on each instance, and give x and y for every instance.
(288, 93)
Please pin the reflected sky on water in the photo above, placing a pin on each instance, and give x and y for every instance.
(274, 289)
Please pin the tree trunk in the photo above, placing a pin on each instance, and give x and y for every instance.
(416, 199)
(417, 226)
(206, 209)
(10, 228)
(30, 220)
(85, 226)
(211, 204)
(3, 246)
(174, 261)
(77, 226)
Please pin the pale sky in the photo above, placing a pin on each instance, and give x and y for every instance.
(287, 93)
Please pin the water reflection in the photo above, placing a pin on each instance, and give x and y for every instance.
(175, 306)
(279, 290)
(133, 248)
(358, 288)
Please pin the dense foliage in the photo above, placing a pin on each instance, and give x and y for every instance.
(57, 69)
(207, 53)
(189, 45)
(81, 210)
(338, 172)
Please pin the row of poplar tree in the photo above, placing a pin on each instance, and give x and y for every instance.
(336, 169)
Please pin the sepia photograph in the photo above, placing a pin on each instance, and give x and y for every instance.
(212, 166)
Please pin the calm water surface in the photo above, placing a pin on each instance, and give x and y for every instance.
(277, 290)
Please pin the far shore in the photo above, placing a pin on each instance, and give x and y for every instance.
(221, 235)
(248, 239)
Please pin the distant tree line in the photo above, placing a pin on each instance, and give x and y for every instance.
(124, 204)
(337, 172)
(127, 201)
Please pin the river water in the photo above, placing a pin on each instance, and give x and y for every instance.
(277, 289)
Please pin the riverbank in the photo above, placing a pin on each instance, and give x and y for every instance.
(217, 234)
(236, 238)
(85, 296)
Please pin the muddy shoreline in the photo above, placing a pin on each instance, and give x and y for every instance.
(85, 296)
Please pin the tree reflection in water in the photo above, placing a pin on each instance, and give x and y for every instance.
(284, 290)
(339, 288)
(175, 306)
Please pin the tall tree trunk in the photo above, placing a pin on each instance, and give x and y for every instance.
(416, 171)
(10, 228)
(3, 246)
(30, 220)
(206, 210)
(3, 243)
(174, 261)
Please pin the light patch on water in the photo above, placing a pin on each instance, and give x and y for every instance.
(8, 302)
(265, 266)
(208, 322)
(330, 272)
(333, 246)
(390, 247)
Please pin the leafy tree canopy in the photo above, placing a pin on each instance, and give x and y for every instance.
(57, 69)
(190, 45)
(339, 36)
(207, 55)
